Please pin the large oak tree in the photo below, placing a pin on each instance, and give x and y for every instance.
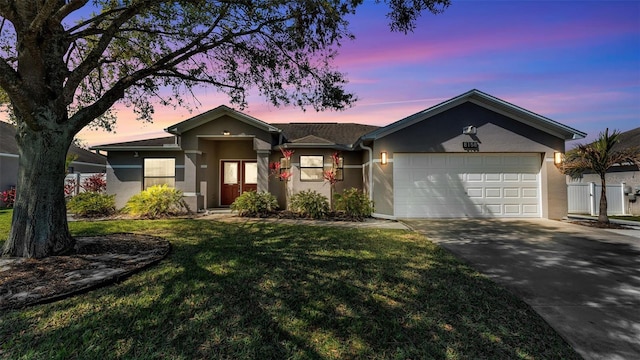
(65, 63)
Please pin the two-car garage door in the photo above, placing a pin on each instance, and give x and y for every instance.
(466, 185)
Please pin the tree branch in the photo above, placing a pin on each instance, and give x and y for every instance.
(68, 8)
(42, 15)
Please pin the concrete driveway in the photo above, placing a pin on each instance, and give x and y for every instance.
(585, 282)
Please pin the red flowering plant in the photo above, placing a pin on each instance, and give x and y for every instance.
(332, 175)
(70, 187)
(8, 197)
(282, 169)
(94, 183)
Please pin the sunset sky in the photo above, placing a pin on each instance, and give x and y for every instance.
(576, 62)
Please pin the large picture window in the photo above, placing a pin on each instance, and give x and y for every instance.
(159, 171)
(311, 168)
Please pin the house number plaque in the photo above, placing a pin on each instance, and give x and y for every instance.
(471, 146)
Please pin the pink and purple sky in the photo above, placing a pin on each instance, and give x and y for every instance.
(576, 62)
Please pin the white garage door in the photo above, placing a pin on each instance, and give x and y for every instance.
(466, 185)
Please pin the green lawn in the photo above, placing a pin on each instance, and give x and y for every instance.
(267, 291)
(628, 218)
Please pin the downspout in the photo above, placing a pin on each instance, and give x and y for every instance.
(370, 150)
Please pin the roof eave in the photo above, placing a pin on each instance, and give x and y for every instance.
(136, 148)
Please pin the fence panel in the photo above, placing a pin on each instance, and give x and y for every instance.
(579, 196)
(584, 198)
(74, 181)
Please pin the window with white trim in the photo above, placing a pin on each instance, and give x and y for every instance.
(311, 167)
(158, 171)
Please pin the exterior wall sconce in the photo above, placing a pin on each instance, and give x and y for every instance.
(226, 132)
(469, 130)
(558, 158)
(383, 158)
(135, 154)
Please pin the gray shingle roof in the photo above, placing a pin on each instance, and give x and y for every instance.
(628, 139)
(162, 141)
(323, 133)
(8, 146)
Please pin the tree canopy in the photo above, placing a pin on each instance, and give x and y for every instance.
(65, 63)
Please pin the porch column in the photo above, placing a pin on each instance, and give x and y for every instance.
(263, 170)
(263, 149)
(191, 187)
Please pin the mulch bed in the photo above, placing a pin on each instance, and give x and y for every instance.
(96, 261)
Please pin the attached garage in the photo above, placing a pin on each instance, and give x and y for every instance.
(451, 185)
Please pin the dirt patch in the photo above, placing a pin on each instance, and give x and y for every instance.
(95, 262)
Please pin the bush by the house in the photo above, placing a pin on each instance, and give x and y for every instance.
(310, 203)
(94, 183)
(92, 204)
(156, 201)
(252, 203)
(8, 197)
(353, 203)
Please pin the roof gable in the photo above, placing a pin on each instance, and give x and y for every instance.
(312, 139)
(214, 114)
(345, 134)
(489, 102)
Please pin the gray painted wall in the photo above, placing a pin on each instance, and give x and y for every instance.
(495, 133)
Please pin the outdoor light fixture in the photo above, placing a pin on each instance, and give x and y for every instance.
(135, 154)
(383, 158)
(469, 130)
(558, 157)
(226, 132)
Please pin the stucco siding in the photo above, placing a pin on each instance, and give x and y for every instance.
(189, 140)
(443, 133)
(352, 174)
(125, 172)
(496, 133)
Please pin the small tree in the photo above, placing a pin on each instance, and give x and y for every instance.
(599, 156)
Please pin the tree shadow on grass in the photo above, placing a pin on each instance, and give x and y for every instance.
(266, 291)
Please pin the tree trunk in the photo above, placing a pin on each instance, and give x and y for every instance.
(603, 218)
(39, 226)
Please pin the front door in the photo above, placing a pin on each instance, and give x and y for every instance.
(237, 176)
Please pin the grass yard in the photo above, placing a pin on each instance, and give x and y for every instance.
(628, 218)
(268, 291)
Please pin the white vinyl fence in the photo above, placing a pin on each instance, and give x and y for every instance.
(584, 198)
(74, 181)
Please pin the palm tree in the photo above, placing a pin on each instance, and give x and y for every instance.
(599, 156)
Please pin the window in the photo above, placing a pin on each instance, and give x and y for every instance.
(250, 172)
(311, 168)
(159, 171)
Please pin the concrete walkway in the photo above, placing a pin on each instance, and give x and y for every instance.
(585, 282)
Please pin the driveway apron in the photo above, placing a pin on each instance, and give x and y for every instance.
(584, 281)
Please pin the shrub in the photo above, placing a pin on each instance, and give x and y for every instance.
(92, 204)
(354, 203)
(94, 183)
(8, 197)
(310, 203)
(252, 203)
(157, 201)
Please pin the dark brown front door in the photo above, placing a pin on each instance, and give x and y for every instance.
(237, 177)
